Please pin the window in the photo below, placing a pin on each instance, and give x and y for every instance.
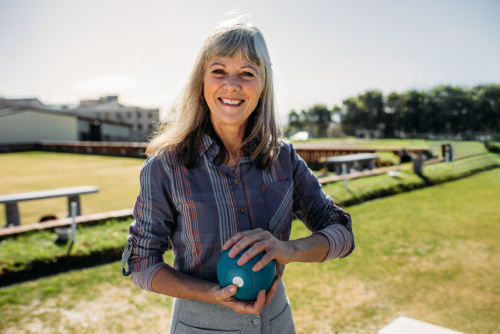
(139, 127)
(129, 115)
(107, 116)
(139, 115)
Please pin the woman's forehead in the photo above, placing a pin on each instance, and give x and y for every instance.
(238, 61)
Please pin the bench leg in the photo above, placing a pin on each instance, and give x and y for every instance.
(371, 166)
(78, 206)
(12, 214)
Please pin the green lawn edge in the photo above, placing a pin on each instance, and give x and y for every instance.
(374, 187)
(36, 255)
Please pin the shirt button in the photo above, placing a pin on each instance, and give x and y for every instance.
(243, 210)
(256, 321)
(236, 181)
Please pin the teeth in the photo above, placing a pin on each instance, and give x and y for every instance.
(233, 102)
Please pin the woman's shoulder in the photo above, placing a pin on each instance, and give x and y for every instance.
(285, 147)
(163, 160)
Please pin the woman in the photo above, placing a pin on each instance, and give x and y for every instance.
(218, 177)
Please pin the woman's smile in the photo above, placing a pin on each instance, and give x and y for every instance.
(231, 102)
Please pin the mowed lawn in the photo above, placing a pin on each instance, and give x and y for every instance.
(431, 254)
(117, 179)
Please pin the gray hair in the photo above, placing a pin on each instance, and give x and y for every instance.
(190, 114)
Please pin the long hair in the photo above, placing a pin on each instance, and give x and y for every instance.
(189, 118)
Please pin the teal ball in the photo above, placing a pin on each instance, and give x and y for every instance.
(249, 282)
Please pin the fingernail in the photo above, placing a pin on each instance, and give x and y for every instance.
(232, 289)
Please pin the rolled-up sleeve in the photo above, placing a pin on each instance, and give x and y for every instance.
(148, 239)
(310, 203)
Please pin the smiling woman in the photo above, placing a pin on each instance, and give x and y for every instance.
(220, 178)
(232, 89)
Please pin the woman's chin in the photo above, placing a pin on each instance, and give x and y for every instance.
(230, 120)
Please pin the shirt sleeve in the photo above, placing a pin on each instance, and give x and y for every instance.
(312, 206)
(148, 239)
(144, 278)
(340, 240)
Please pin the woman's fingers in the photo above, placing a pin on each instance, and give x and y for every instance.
(237, 237)
(256, 308)
(271, 254)
(257, 248)
(242, 240)
(272, 291)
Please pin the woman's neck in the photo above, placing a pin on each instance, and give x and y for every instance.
(232, 138)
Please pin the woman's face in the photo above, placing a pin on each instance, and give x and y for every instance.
(232, 89)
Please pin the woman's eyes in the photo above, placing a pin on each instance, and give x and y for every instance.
(222, 72)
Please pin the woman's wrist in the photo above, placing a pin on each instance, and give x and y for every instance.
(313, 248)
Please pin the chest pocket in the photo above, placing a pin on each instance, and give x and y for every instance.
(279, 200)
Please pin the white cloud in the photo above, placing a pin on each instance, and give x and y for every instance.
(106, 84)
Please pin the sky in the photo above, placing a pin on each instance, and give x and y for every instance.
(322, 51)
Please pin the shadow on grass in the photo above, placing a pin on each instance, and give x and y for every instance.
(426, 180)
(48, 267)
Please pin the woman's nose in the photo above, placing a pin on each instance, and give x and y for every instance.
(232, 82)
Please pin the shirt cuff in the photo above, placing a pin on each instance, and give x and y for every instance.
(340, 241)
(143, 278)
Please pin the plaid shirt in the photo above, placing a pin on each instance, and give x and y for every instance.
(200, 208)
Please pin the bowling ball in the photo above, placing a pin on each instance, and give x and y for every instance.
(249, 282)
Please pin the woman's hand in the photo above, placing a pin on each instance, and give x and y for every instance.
(259, 241)
(224, 296)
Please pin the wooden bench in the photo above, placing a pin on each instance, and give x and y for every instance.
(73, 194)
(358, 161)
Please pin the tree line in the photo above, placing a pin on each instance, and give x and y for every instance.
(442, 110)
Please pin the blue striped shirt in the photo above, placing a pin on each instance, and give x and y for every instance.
(200, 208)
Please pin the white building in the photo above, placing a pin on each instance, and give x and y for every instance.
(142, 121)
(32, 124)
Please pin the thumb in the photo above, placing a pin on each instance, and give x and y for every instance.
(229, 291)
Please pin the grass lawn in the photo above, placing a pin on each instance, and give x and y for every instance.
(117, 179)
(365, 188)
(430, 254)
(36, 254)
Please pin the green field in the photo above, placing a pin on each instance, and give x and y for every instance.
(117, 179)
(430, 254)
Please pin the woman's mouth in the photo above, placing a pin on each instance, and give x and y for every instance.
(231, 102)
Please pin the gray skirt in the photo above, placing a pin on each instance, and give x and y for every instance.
(197, 317)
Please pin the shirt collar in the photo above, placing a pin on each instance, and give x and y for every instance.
(206, 142)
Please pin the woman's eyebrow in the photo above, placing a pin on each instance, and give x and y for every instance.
(251, 67)
(215, 63)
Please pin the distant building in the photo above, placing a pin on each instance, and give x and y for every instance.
(12, 103)
(143, 121)
(104, 119)
(32, 124)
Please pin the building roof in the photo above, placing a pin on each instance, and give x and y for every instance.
(10, 111)
(27, 102)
